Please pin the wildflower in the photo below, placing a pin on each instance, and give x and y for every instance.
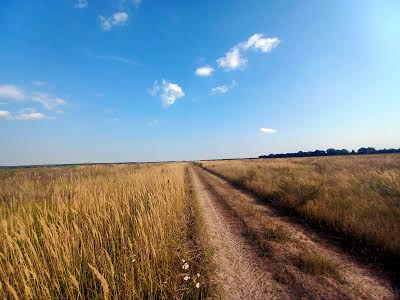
(198, 275)
(183, 260)
(198, 285)
(185, 266)
(186, 278)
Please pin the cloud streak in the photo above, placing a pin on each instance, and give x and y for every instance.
(24, 115)
(15, 93)
(48, 102)
(119, 59)
(264, 130)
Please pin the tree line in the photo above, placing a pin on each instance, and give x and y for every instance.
(332, 152)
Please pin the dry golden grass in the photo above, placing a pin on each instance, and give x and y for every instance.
(112, 232)
(356, 196)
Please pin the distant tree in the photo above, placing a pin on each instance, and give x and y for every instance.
(331, 151)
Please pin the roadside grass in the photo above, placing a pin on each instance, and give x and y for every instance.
(357, 197)
(90, 232)
(317, 264)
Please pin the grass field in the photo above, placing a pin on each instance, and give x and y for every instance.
(136, 231)
(355, 196)
(112, 232)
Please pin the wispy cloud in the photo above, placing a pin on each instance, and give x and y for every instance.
(82, 4)
(169, 92)
(33, 116)
(24, 115)
(117, 19)
(4, 114)
(263, 130)
(236, 58)
(204, 71)
(39, 83)
(114, 119)
(48, 102)
(119, 59)
(11, 92)
(15, 93)
(152, 123)
(136, 2)
(223, 89)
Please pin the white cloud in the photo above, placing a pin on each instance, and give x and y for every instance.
(232, 60)
(9, 91)
(32, 116)
(82, 4)
(267, 130)
(235, 58)
(117, 19)
(4, 114)
(223, 89)
(27, 114)
(259, 42)
(48, 102)
(169, 92)
(204, 71)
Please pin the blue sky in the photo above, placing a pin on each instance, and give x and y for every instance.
(125, 80)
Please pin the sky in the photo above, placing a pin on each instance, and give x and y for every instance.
(144, 80)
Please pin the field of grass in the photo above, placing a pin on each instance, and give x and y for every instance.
(357, 197)
(112, 232)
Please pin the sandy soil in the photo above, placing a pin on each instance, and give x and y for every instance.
(245, 274)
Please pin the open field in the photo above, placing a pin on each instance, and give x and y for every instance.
(176, 231)
(112, 232)
(357, 197)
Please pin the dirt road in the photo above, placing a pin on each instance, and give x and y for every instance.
(250, 267)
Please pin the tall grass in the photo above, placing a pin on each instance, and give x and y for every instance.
(112, 232)
(355, 196)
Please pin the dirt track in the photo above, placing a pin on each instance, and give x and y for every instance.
(243, 273)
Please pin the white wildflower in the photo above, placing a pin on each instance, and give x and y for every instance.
(185, 266)
(186, 278)
(198, 285)
(198, 275)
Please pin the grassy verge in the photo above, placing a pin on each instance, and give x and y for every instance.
(355, 197)
(93, 232)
